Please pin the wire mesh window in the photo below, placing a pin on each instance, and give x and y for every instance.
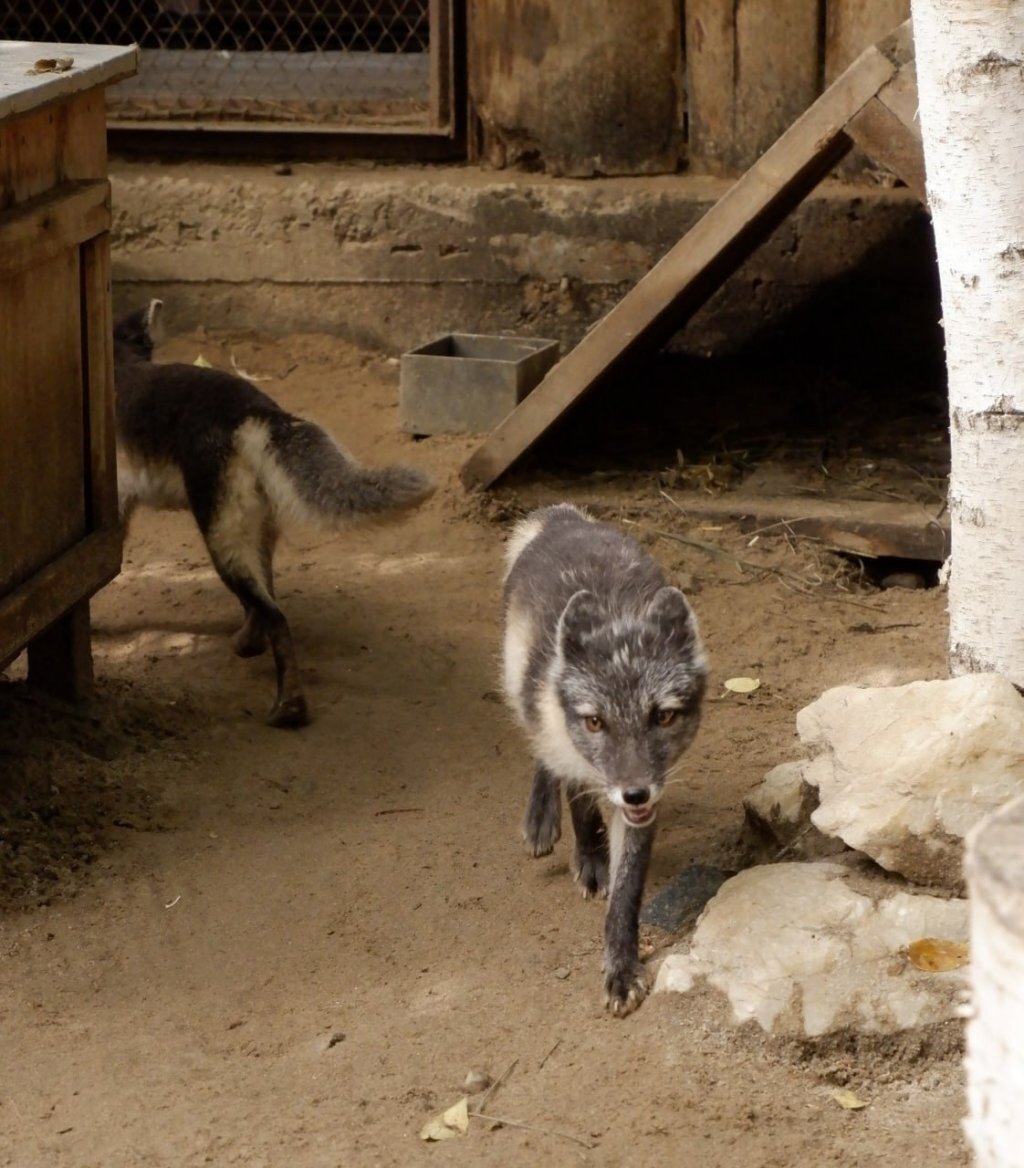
(362, 63)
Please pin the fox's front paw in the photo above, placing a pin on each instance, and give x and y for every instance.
(542, 823)
(591, 872)
(625, 989)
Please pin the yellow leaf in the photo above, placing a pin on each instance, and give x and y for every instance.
(447, 1125)
(935, 956)
(202, 362)
(742, 684)
(847, 1100)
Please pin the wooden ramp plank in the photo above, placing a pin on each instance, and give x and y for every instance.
(716, 246)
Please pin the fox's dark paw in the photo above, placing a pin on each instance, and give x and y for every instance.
(289, 713)
(542, 831)
(625, 989)
(542, 823)
(590, 872)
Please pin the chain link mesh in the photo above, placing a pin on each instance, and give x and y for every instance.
(340, 61)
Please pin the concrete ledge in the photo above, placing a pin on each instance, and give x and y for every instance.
(393, 256)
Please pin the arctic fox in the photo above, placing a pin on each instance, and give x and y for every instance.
(604, 669)
(205, 440)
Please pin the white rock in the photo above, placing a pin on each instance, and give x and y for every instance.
(903, 773)
(778, 816)
(808, 949)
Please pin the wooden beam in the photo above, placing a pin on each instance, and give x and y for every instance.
(688, 275)
(883, 137)
(51, 223)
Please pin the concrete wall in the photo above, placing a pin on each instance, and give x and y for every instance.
(394, 256)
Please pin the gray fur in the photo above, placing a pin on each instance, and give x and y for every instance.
(604, 667)
(207, 440)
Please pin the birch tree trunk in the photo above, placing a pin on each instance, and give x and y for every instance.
(970, 71)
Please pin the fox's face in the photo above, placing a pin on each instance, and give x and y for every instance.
(630, 689)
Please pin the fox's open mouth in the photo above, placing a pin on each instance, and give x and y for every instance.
(639, 816)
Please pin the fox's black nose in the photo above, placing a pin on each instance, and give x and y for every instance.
(636, 796)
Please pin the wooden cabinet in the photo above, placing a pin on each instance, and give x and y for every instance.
(60, 539)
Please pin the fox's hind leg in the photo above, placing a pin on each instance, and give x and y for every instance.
(542, 823)
(590, 861)
(263, 614)
(251, 638)
(234, 518)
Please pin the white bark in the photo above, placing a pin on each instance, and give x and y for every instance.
(970, 68)
(995, 1064)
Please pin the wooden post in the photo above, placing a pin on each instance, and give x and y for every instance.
(60, 659)
(995, 1057)
(752, 68)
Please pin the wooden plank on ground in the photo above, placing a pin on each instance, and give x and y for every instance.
(866, 528)
(752, 70)
(688, 275)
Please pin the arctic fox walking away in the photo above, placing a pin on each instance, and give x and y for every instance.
(603, 666)
(208, 441)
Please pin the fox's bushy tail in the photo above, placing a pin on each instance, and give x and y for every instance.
(308, 476)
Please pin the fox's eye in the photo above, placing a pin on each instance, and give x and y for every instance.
(593, 723)
(665, 717)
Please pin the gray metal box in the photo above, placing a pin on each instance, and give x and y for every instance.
(465, 383)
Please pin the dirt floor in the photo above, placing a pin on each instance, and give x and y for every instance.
(225, 944)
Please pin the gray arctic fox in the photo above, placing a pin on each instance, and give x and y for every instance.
(210, 442)
(604, 669)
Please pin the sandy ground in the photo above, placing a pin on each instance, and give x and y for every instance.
(226, 944)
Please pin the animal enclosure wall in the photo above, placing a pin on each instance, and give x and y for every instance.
(654, 86)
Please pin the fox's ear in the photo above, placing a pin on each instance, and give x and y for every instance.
(579, 619)
(670, 611)
(154, 319)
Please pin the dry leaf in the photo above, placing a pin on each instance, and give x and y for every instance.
(451, 1123)
(202, 362)
(847, 1100)
(742, 685)
(935, 956)
(51, 65)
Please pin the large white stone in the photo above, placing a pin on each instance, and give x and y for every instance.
(809, 949)
(778, 817)
(903, 773)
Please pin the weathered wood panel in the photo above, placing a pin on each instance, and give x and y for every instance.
(752, 70)
(852, 25)
(42, 494)
(592, 87)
